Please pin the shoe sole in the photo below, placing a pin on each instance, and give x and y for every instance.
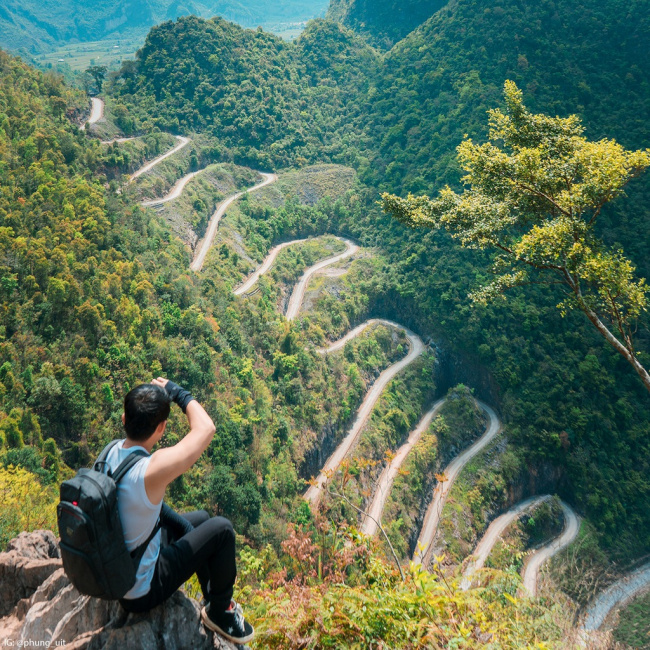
(211, 625)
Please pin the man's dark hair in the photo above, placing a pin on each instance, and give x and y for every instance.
(145, 407)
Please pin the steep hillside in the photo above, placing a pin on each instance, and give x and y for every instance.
(409, 109)
(589, 58)
(268, 101)
(383, 23)
(95, 297)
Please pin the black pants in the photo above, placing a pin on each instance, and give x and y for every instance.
(192, 543)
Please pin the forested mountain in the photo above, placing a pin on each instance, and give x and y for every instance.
(269, 101)
(383, 23)
(97, 297)
(39, 26)
(420, 97)
(409, 109)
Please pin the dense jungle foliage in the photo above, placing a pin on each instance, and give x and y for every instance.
(383, 23)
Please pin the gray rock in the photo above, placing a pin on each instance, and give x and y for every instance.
(39, 545)
(54, 611)
(29, 560)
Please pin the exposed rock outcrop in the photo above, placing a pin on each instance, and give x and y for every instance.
(29, 560)
(40, 605)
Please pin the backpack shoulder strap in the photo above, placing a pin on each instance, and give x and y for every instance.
(102, 457)
(128, 463)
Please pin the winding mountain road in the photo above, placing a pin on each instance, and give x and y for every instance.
(96, 112)
(210, 233)
(182, 142)
(299, 290)
(117, 140)
(175, 192)
(424, 546)
(265, 266)
(369, 524)
(616, 596)
(315, 491)
(492, 534)
(541, 555)
(340, 344)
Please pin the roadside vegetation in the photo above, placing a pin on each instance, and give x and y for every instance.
(537, 526)
(397, 412)
(122, 158)
(633, 629)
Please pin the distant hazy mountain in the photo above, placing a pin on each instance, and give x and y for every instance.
(39, 25)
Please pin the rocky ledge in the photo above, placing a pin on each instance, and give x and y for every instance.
(40, 608)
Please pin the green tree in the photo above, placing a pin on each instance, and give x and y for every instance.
(239, 502)
(98, 73)
(12, 433)
(536, 190)
(59, 107)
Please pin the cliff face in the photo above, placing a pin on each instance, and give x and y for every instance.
(38, 604)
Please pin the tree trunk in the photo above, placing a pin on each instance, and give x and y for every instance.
(616, 344)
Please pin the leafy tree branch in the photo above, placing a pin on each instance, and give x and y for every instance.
(535, 191)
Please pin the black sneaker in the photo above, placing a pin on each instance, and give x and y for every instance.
(230, 625)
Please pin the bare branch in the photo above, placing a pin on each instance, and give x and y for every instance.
(363, 512)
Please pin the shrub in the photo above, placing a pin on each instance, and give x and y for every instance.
(25, 505)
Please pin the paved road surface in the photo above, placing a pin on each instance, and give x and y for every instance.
(265, 266)
(182, 142)
(299, 290)
(541, 555)
(96, 112)
(423, 549)
(174, 193)
(206, 243)
(616, 596)
(117, 140)
(492, 534)
(314, 493)
(385, 483)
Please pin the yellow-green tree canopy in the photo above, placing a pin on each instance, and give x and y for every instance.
(535, 191)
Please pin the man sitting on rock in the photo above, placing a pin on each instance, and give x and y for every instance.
(192, 543)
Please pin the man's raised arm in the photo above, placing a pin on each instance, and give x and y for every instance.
(169, 463)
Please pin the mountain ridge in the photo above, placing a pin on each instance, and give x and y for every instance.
(37, 27)
(386, 22)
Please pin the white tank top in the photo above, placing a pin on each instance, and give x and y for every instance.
(137, 514)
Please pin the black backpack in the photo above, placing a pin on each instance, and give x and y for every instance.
(95, 557)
